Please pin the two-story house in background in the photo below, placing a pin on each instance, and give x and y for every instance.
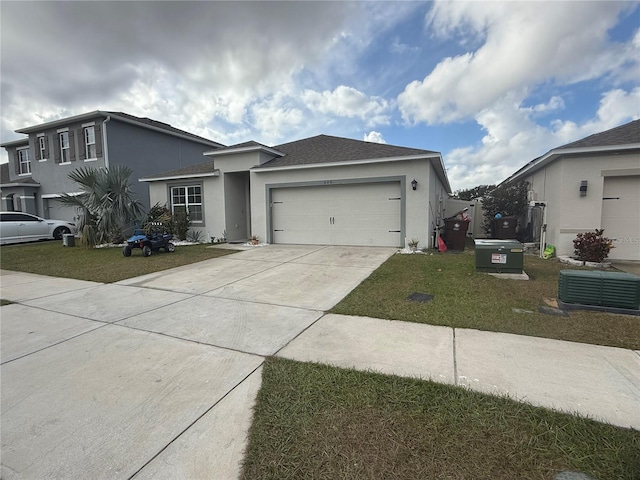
(39, 165)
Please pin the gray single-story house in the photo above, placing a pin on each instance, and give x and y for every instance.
(321, 190)
(593, 183)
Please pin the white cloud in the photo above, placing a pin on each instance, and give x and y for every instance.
(276, 117)
(513, 138)
(348, 102)
(520, 45)
(373, 136)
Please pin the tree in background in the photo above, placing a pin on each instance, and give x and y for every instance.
(472, 193)
(509, 200)
(107, 204)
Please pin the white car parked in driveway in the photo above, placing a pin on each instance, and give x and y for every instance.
(16, 227)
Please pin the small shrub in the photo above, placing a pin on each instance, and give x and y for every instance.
(180, 224)
(592, 246)
(194, 236)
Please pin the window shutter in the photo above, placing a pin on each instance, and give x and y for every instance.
(82, 147)
(98, 134)
(72, 147)
(46, 146)
(56, 149)
(16, 162)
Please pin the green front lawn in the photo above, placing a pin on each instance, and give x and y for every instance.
(104, 265)
(464, 298)
(322, 422)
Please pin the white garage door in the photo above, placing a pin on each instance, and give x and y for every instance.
(353, 214)
(620, 217)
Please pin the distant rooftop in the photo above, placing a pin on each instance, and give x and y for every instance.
(626, 134)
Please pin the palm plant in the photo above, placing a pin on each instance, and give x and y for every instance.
(107, 204)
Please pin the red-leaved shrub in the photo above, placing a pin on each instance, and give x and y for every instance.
(592, 246)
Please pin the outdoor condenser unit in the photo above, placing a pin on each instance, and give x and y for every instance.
(605, 289)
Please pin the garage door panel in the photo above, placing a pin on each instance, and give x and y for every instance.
(373, 238)
(365, 221)
(351, 214)
(620, 218)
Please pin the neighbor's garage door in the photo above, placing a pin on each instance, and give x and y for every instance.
(353, 214)
(620, 217)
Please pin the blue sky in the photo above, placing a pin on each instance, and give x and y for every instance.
(490, 85)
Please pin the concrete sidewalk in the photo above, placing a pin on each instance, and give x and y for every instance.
(156, 376)
(596, 381)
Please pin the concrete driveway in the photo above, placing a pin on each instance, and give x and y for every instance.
(155, 377)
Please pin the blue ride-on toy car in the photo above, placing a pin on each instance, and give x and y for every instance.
(152, 242)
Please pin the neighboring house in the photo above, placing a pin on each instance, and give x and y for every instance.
(39, 165)
(590, 184)
(322, 190)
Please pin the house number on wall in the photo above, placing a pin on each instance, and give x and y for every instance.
(327, 182)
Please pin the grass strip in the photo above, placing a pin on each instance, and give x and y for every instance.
(320, 422)
(105, 265)
(464, 298)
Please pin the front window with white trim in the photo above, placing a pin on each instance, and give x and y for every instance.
(42, 148)
(24, 162)
(90, 142)
(188, 199)
(65, 156)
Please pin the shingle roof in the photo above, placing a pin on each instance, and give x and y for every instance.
(329, 149)
(626, 134)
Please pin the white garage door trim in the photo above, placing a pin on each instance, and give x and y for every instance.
(401, 180)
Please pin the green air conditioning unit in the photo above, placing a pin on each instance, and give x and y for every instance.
(605, 289)
(499, 256)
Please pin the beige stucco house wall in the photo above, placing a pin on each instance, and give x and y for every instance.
(609, 163)
(362, 192)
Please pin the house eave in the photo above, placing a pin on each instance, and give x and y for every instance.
(18, 184)
(16, 143)
(552, 155)
(62, 121)
(58, 195)
(215, 173)
(266, 168)
(435, 159)
(254, 148)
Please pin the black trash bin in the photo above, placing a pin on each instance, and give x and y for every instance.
(455, 233)
(504, 228)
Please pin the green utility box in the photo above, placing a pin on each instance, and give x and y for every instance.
(499, 256)
(606, 289)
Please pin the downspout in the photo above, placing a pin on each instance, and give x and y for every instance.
(105, 150)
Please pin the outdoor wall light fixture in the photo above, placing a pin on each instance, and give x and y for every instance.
(414, 184)
(583, 188)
